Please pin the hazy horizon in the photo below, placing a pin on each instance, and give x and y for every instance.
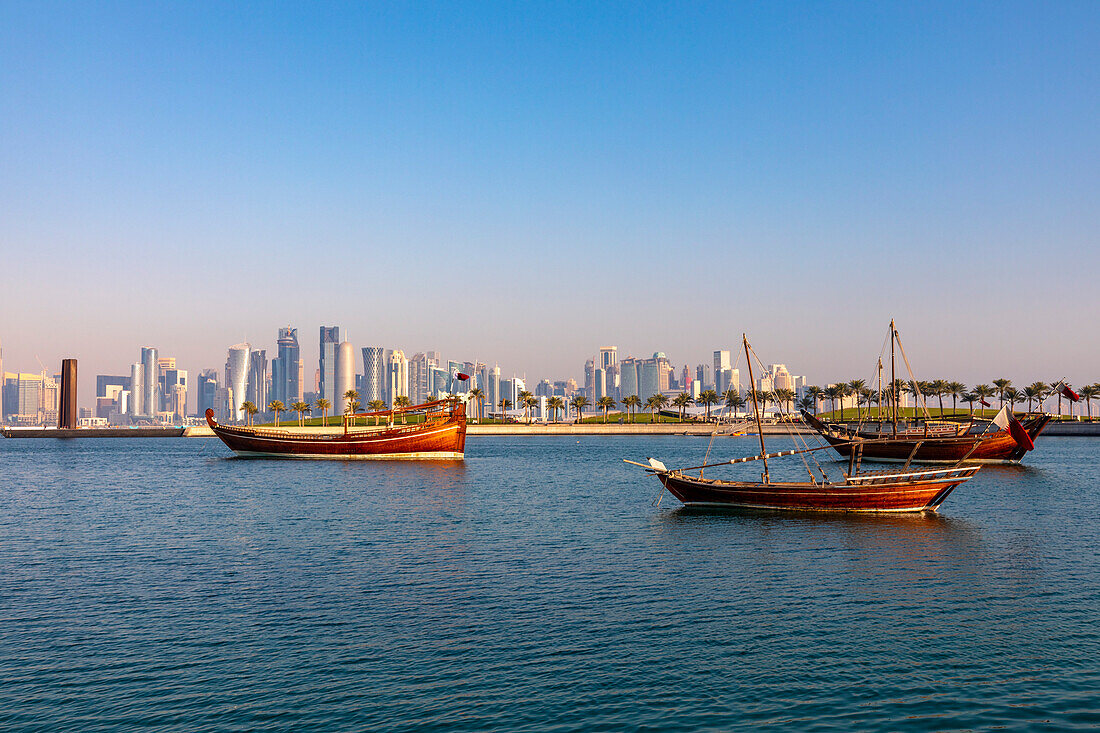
(525, 184)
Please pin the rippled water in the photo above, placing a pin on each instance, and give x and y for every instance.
(160, 585)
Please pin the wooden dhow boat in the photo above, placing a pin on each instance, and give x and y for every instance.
(441, 435)
(855, 491)
(1005, 439)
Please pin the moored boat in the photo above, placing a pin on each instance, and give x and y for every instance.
(441, 435)
(1005, 439)
(855, 491)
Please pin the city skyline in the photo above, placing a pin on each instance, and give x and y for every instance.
(553, 178)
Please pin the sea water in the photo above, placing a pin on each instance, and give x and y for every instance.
(160, 584)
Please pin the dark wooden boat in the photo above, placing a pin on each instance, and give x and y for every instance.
(876, 491)
(915, 445)
(885, 491)
(442, 435)
(1004, 440)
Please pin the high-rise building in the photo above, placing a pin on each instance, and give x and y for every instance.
(374, 374)
(492, 387)
(544, 388)
(398, 379)
(105, 382)
(286, 368)
(664, 371)
(329, 342)
(257, 380)
(722, 368)
(345, 375)
(590, 380)
(702, 375)
(137, 389)
(207, 391)
(600, 384)
(649, 379)
(150, 369)
(628, 375)
(236, 378)
(609, 357)
(173, 384)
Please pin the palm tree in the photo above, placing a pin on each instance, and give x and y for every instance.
(955, 389)
(1002, 385)
(984, 391)
(816, 393)
(707, 398)
(662, 403)
(478, 395)
(940, 387)
(855, 387)
(680, 402)
(970, 398)
(554, 404)
(504, 406)
(786, 396)
(376, 406)
(1012, 396)
(300, 407)
(350, 396)
(833, 393)
(806, 402)
(578, 403)
(1040, 389)
(247, 407)
(530, 402)
(1089, 393)
(605, 403)
(653, 404)
(276, 406)
(734, 400)
(630, 402)
(323, 405)
(401, 402)
(523, 395)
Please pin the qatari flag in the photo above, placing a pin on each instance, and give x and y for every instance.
(461, 377)
(1069, 394)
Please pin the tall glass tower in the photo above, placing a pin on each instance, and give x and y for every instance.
(329, 343)
(150, 399)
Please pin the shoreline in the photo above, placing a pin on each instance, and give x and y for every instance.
(1068, 429)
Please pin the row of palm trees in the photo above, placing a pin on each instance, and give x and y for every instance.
(1035, 393)
(866, 397)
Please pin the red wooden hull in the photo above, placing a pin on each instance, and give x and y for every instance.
(998, 447)
(443, 438)
(865, 494)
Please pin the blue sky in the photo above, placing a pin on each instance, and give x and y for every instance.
(524, 183)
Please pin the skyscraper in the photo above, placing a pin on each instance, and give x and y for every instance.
(257, 379)
(398, 383)
(236, 378)
(329, 342)
(150, 369)
(137, 389)
(492, 389)
(722, 371)
(207, 391)
(345, 375)
(628, 384)
(649, 380)
(374, 374)
(286, 368)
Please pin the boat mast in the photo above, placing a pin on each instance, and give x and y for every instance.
(755, 407)
(880, 393)
(893, 381)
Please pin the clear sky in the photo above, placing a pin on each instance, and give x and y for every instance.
(525, 182)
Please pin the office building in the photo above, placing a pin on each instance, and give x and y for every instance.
(345, 376)
(207, 391)
(628, 377)
(150, 383)
(545, 388)
(398, 379)
(137, 389)
(329, 343)
(236, 379)
(257, 380)
(649, 379)
(286, 368)
(374, 375)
